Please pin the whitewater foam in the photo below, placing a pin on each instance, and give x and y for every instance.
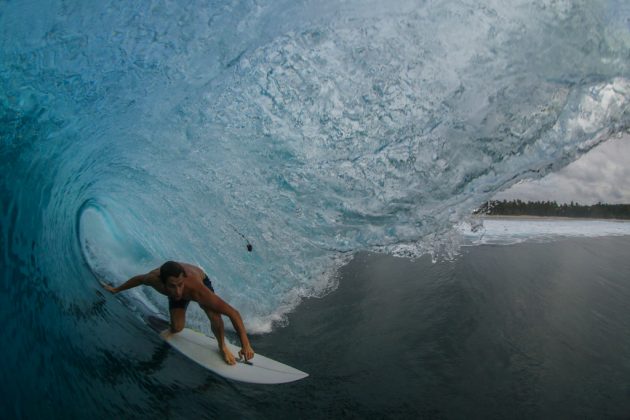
(507, 231)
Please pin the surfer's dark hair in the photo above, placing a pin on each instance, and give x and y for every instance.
(171, 269)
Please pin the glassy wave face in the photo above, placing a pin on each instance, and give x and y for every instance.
(141, 131)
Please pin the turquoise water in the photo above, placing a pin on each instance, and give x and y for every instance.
(138, 132)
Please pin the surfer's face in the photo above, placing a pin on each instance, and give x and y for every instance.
(175, 287)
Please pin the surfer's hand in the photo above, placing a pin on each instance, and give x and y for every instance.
(110, 288)
(246, 352)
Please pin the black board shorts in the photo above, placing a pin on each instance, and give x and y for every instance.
(183, 303)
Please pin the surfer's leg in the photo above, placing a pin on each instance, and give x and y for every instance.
(216, 323)
(177, 309)
(178, 319)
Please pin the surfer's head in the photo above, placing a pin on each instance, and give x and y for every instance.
(172, 275)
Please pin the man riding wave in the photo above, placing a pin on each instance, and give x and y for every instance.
(183, 283)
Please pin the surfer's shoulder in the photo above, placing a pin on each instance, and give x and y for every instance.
(194, 273)
(152, 276)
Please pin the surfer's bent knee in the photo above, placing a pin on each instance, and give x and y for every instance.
(175, 328)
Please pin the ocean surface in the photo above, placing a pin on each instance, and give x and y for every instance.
(316, 132)
(528, 330)
(524, 331)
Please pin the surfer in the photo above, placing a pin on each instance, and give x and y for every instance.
(182, 283)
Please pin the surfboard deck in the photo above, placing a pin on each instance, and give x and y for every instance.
(204, 351)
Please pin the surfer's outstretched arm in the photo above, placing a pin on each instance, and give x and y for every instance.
(129, 284)
(212, 302)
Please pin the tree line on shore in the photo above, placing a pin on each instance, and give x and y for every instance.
(553, 209)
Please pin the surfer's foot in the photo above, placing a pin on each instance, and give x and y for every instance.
(228, 356)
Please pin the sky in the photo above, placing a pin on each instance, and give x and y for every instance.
(602, 174)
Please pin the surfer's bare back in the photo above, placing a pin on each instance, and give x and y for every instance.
(182, 283)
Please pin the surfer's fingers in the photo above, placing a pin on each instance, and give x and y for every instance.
(242, 354)
(109, 288)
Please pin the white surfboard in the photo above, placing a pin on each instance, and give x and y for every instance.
(204, 350)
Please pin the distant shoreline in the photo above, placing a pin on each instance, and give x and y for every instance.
(552, 209)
